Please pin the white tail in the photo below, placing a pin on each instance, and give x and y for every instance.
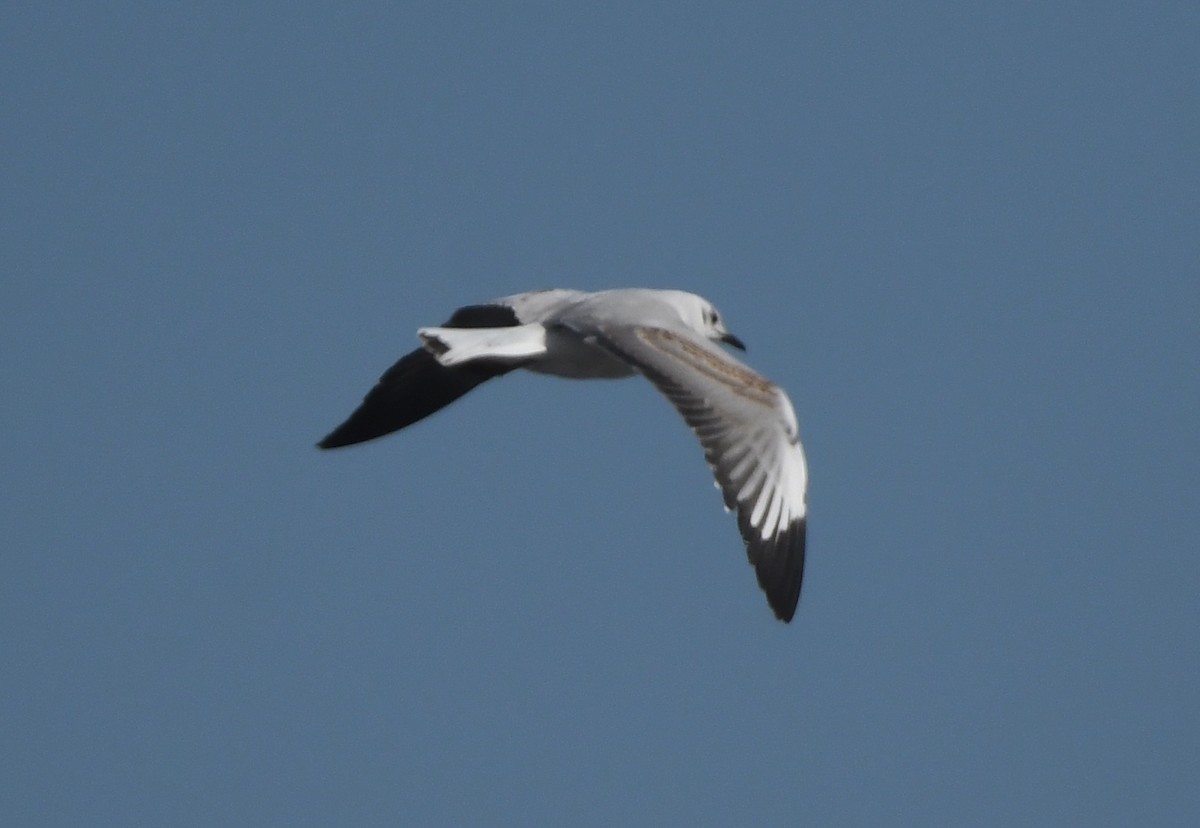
(453, 346)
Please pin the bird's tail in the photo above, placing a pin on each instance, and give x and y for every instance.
(454, 346)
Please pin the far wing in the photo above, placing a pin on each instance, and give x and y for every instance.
(417, 385)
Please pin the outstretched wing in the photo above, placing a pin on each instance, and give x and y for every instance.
(417, 385)
(748, 429)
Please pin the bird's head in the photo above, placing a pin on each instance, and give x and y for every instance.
(702, 317)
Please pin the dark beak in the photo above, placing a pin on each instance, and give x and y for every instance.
(730, 339)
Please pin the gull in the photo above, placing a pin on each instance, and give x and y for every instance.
(745, 423)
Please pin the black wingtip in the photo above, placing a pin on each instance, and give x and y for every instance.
(779, 565)
(363, 425)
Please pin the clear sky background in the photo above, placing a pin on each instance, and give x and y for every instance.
(964, 236)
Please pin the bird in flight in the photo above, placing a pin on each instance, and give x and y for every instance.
(744, 422)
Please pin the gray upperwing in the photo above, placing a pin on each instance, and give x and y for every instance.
(748, 430)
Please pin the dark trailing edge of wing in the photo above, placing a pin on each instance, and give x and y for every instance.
(418, 385)
(778, 563)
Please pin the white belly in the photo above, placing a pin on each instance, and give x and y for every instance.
(569, 355)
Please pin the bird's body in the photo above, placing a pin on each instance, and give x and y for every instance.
(744, 422)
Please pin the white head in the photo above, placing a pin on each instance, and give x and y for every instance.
(700, 315)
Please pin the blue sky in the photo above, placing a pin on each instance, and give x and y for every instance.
(963, 236)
